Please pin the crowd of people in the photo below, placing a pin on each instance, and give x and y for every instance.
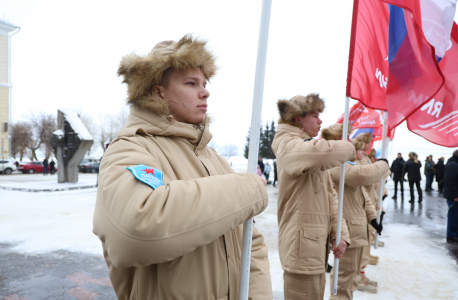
(170, 210)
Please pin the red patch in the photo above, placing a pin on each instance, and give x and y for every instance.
(148, 171)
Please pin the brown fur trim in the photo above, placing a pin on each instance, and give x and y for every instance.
(365, 137)
(334, 132)
(299, 106)
(142, 73)
(358, 143)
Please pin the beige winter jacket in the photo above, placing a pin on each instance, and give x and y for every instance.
(183, 239)
(307, 201)
(358, 209)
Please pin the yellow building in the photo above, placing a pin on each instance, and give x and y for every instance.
(6, 31)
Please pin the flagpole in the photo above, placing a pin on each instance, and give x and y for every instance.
(254, 140)
(381, 183)
(341, 193)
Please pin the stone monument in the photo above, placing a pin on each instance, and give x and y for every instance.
(71, 140)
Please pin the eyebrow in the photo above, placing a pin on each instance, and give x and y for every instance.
(193, 78)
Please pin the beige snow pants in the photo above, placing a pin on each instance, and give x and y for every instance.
(348, 268)
(304, 287)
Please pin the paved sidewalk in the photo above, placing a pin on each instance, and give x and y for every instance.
(55, 275)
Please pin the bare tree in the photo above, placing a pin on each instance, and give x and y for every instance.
(229, 150)
(21, 137)
(43, 126)
(110, 125)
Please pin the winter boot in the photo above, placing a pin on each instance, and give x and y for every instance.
(364, 286)
(362, 279)
(373, 260)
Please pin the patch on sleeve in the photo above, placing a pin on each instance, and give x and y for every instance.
(150, 176)
(351, 163)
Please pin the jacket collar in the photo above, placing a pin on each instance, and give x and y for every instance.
(293, 129)
(147, 123)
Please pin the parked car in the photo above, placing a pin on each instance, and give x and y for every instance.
(89, 167)
(33, 167)
(86, 161)
(7, 166)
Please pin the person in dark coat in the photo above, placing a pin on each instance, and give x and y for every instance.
(440, 169)
(51, 166)
(451, 194)
(275, 173)
(45, 166)
(396, 169)
(429, 173)
(261, 164)
(412, 168)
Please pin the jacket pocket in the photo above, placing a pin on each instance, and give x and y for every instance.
(358, 232)
(312, 247)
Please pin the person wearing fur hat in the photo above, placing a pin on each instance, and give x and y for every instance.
(307, 200)
(365, 284)
(169, 209)
(358, 211)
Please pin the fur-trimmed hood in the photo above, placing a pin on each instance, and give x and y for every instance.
(365, 137)
(334, 132)
(298, 106)
(142, 73)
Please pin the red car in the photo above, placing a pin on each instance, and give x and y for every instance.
(33, 167)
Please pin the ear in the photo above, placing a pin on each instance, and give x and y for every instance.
(298, 119)
(158, 90)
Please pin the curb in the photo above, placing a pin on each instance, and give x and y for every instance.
(47, 190)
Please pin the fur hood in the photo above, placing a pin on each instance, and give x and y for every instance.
(365, 137)
(298, 106)
(358, 143)
(142, 73)
(334, 132)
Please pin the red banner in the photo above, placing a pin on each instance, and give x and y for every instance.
(437, 120)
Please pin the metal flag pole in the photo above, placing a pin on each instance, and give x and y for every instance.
(254, 139)
(381, 183)
(341, 193)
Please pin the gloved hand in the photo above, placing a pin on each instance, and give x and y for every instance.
(385, 160)
(384, 196)
(377, 226)
(381, 218)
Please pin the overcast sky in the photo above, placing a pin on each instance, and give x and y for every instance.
(67, 55)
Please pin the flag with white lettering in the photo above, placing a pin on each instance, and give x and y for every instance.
(437, 120)
(395, 52)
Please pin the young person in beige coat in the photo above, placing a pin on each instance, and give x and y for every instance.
(358, 211)
(169, 209)
(307, 200)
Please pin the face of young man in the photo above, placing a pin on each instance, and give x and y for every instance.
(359, 154)
(367, 146)
(311, 123)
(187, 96)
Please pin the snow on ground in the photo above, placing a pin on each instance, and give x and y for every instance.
(44, 222)
(413, 265)
(40, 181)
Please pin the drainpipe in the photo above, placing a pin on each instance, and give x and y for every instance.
(9, 84)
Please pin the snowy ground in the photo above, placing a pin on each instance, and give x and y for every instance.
(40, 182)
(413, 264)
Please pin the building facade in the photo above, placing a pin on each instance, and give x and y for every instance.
(6, 31)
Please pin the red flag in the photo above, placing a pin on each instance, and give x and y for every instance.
(389, 42)
(437, 120)
(361, 116)
(367, 64)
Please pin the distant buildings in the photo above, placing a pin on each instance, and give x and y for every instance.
(6, 31)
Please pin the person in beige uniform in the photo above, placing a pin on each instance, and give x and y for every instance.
(307, 200)
(169, 209)
(358, 211)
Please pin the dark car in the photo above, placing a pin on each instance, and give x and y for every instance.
(89, 167)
